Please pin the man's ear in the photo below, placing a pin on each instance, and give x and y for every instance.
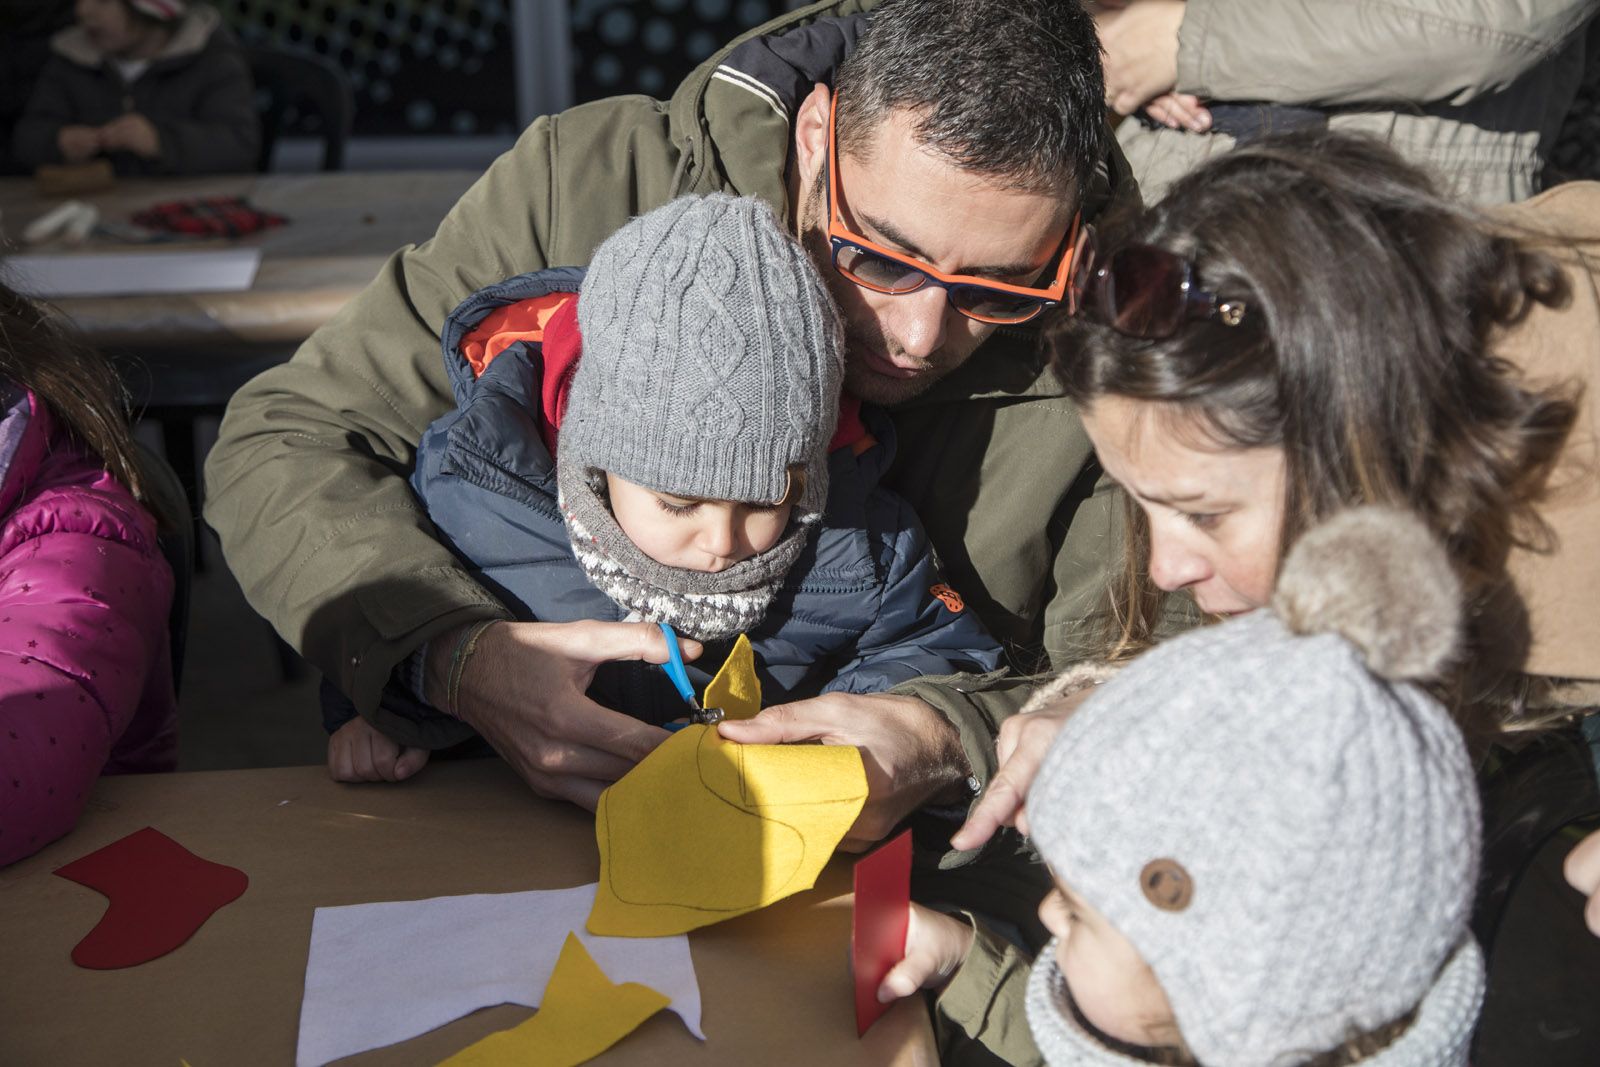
(811, 134)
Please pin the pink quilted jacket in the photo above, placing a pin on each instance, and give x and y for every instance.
(85, 671)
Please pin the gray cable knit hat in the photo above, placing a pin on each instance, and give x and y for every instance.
(712, 356)
(1282, 824)
(712, 362)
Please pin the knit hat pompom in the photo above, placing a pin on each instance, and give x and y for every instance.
(1377, 577)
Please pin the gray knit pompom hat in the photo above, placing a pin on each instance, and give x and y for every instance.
(712, 356)
(1282, 823)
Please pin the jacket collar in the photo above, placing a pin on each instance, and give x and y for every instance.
(191, 35)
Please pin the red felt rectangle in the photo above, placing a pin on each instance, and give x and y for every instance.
(878, 928)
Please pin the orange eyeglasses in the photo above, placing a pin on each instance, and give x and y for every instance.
(874, 267)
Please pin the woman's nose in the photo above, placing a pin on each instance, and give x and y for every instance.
(1174, 565)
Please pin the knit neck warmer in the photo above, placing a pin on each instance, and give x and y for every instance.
(1439, 1036)
(698, 604)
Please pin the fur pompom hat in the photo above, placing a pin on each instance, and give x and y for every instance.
(1279, 818)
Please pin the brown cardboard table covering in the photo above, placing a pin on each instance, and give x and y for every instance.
(343, 225)
(775, 984)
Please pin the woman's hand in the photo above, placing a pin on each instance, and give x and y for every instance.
(1021, 746)
(358, 752)
(1141, 52)
(1582, 869)
(936, 945)
(1179, 111)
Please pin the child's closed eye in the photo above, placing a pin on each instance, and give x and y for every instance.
(680, 510)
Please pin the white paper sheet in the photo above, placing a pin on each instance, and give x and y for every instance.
(48, 275)
(382, 973)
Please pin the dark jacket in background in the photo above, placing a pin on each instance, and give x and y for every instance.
(197, 93)
(26, 27)
(857, 613)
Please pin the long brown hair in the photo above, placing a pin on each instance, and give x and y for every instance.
(1366, 353)
(75, 381)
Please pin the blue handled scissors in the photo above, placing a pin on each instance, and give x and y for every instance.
(680, 681)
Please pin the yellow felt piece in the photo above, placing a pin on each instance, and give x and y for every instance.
(736, 689)
(705, 829)
(582, 1014)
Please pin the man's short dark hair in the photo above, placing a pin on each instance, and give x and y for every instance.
(1008, 88)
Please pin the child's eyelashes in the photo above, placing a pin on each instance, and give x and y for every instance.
(679, 510)
(1203, 520)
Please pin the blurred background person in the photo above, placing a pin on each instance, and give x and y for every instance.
(1476, 92)
(26, 27)
(155, 86)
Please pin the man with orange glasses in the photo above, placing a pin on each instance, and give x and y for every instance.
(938, 189)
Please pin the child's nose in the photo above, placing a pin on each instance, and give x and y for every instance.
(719, 536)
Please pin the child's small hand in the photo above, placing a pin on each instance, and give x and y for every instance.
(132, 132)
(1583, 874)
(78, 143)
(936, 944)
(357, 752)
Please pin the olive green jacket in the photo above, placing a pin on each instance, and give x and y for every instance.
(307, 484)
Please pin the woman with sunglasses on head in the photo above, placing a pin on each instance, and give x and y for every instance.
(1305, 325)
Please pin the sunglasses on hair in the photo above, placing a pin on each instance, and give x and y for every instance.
(882, 270)
(1143, 291)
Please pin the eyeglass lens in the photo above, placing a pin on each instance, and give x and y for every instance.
(1143, 292)
(890, 276)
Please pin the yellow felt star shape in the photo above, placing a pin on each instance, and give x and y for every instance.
(736, 689)
(582, 1014)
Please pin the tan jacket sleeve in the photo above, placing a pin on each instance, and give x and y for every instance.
(1369, 51)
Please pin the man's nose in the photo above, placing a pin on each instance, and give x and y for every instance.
(1173, 565)
(917, 320)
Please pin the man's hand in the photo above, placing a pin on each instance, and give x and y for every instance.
(1582, 869)
(131, 133)
(78, 143)
(1021, 747)
(936, 945)
(523, 689)
(911, 753)
(358, 752)
(1141, 52)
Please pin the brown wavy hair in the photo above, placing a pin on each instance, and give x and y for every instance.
(79, 386)
(1366, 354)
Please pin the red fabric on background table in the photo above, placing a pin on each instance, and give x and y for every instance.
(878, 928)
(208, 216)
(160, 894)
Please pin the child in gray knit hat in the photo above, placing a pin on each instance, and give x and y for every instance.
(663, 438)
(1264, 837)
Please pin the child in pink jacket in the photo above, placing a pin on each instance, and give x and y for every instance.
(85, 668)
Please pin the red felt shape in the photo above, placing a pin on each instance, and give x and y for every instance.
(160, 894)
(878, 928)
